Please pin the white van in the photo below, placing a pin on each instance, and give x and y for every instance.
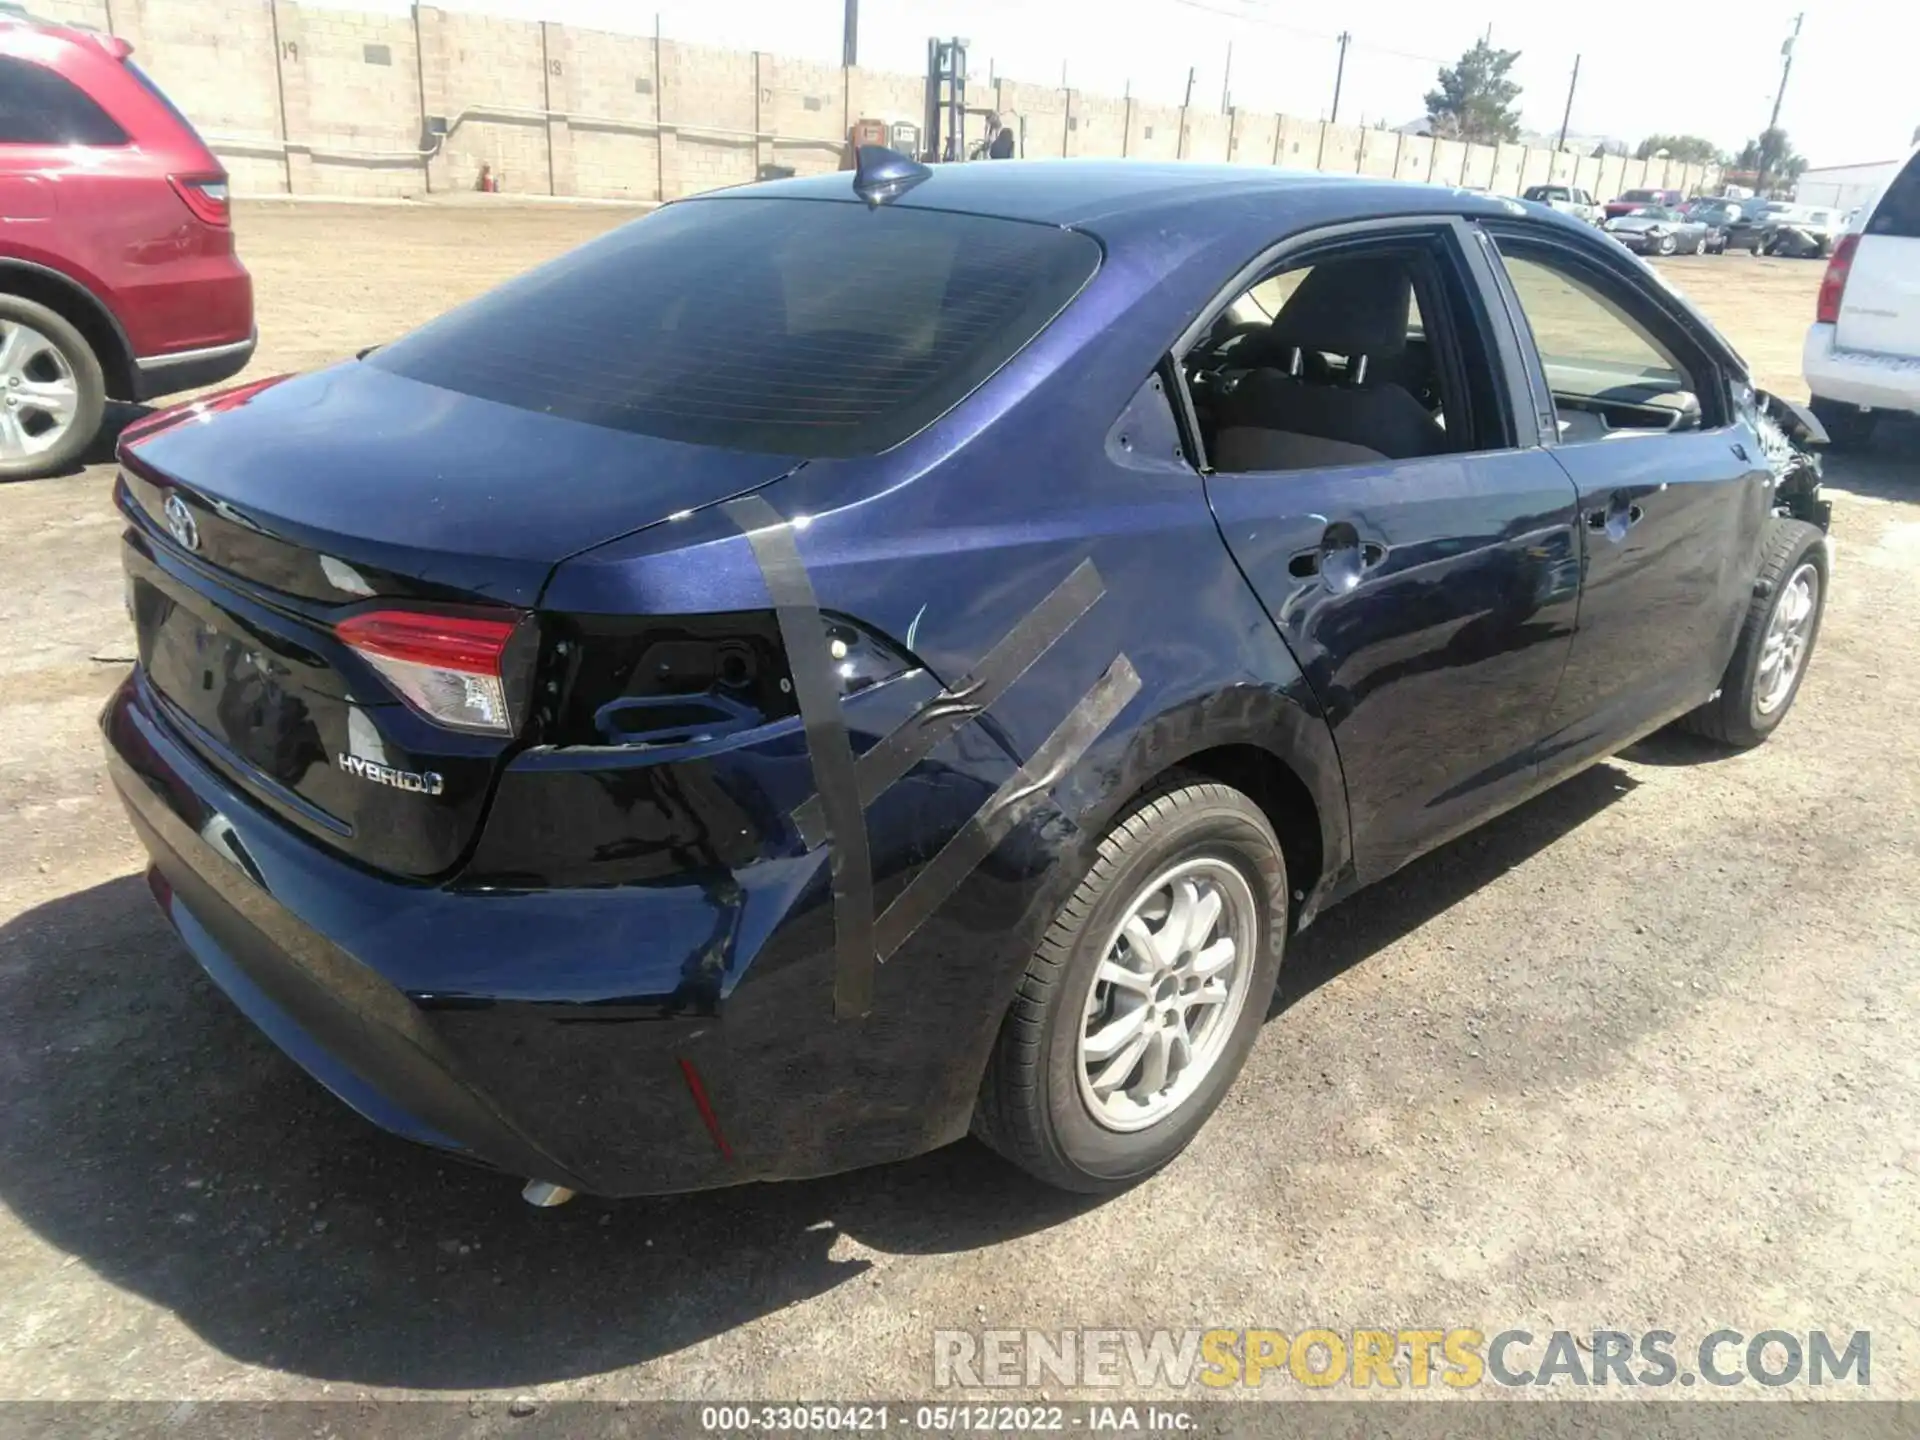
(1862, 357)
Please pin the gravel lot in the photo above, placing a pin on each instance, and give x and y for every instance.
(1641, 1054)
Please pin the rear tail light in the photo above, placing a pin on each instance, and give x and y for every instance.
(205, 196)
(450, 668)
(205, 408)
(1833, 285)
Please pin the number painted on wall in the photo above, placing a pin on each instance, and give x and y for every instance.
(553, 67)
(290, 49)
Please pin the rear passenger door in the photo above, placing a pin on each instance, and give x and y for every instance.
(1674, 491)
(1428, 593)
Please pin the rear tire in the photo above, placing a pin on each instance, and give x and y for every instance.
(1700, 246)
(53, 392)
(1847, 426)
(1776, 641)
(1106, 959)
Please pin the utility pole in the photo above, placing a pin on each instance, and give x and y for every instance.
(1189, 100)
(850, 42)
(1773, 121)
(1339, 74)
(1567, 115)
(1226, 83)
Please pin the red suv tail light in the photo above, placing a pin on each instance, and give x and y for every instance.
(205, 196)
(1833, 285)
(450, 668)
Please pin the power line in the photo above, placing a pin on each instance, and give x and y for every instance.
(1270, 24)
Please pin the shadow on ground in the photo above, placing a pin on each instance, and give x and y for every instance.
(1888, 468)
(152, 1133)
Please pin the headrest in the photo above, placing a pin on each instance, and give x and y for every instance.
(1347, 307)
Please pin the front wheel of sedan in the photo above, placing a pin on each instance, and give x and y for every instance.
(1667, 245)
(1140, 1004)
(1776, 640)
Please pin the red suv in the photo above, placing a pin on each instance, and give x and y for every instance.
(118, 278)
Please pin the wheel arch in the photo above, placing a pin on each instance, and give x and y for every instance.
(80, 308)
(1273, 748)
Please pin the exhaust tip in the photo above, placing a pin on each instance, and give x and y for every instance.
(545, 1194)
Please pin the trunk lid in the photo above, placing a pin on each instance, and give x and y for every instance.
(256, 531)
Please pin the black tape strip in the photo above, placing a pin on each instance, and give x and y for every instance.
(915, 738)
(844, 826)
(1018, 798)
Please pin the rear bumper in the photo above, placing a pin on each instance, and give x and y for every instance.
(159, 375)
(1857, 377)
(558, 1035)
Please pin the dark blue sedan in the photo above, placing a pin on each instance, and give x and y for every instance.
(841, 662)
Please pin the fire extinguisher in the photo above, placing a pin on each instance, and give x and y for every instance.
(488, 181)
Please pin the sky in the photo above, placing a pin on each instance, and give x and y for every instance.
(1709, 68)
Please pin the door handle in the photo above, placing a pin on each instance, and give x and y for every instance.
(1618, 516)
(1341, 559)
(1306, 563)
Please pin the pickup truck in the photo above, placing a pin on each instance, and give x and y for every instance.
(1568, 200)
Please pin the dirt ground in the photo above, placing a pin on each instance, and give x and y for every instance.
(1641, 1054)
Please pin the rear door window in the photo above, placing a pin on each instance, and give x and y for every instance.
(38, 107)
(1898, 212)
(793, 327)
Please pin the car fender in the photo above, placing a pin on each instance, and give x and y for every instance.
(83, 300)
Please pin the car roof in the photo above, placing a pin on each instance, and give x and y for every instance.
(1110, 194)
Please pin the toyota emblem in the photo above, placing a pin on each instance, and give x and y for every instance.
(180, 523)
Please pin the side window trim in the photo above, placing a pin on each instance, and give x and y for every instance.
(1528, 394)
(1649, 301)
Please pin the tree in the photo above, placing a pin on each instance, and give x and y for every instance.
(1475, 98)
(1687, 149)
(1772, 158)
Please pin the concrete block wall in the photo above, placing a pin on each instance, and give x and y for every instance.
(709, 94)
(305, 96)
(1206, 138)
(1100, 125)
(1416, 158)
(614, 87)
(1155, 132)
(1040, 112)
(1254, 134)
(1298, 143)
(87, 14)
(349, 81)
(805, 106)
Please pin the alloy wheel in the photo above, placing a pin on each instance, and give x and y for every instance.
(1172, 982)
(39, 395)
(1789, 634)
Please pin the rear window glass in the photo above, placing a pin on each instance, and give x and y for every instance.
(787, 326)
(1898, 212)
(38, 107)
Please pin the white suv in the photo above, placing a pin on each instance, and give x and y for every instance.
(1862, 357)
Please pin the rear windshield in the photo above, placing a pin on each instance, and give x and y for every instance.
(1898, 212)
(786, 326)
